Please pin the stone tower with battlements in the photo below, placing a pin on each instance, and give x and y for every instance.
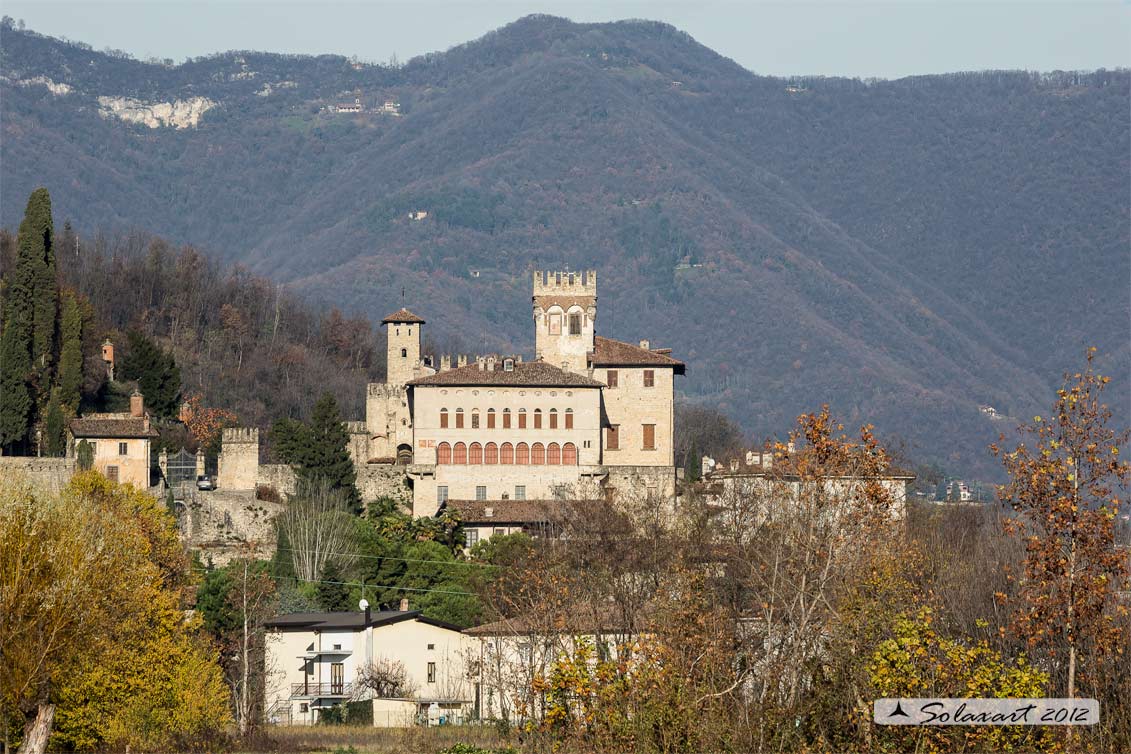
(565, 317)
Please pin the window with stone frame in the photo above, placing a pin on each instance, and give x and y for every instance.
(443, 418)
(475, 419)
(649, 378)
(537, 418)
(649, 436)
(553, 418)
(522, 418)
(459, 418)
(612, 437)
(506, 418)
(490, 418)
(569, 418)
(575, 323)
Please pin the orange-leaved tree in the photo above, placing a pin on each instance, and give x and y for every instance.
(1067, 483)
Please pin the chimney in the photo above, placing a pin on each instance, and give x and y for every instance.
(645, 344)
(488, 512)
(137, 405)
(461, 360)
(404, 604)
(490, 363)
(445, 362)
(480, 362)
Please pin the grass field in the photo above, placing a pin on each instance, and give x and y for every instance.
(366, 740)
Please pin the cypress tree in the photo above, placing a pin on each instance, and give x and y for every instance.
(692, 466)
(36, 268)
(55, 427)
(333, 595)
(70, 357)
(156, 372)
(15, 367)
(84, 455)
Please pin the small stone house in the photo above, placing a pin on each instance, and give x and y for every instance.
(122, 442)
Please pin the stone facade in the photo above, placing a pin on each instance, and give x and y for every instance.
(238, 464)
(47, 474)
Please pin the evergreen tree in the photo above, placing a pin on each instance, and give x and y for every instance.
(156, 372)
(319, 450)
(333, 593)
(70, 358)
(36, 269)
(15, 366)
(84, 455)
(692, 466)
(55, 427)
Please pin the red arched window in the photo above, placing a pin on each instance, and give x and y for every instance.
(537, 418)
(522, 454)
(491, 453)
(443, 453)
(443, 418)
(537, 454)
(475, 456)
(569, 418)
(459, 455)
(506, 454)
(553, 454)
(553, 418)
(569, 454)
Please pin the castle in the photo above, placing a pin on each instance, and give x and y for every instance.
(589, 418)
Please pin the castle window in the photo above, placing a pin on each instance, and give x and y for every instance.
(508, 365)
(475, 454)
(575, 324)
(443, 418)
(537, 454)
(649, 378)
(569, 454)
(649, 436)
(553, 454)
(569, 418)
(553, 418)
(520, 492)
(459, 418)
(491, 453)
(459, 454)
(123, 448)
(490, 418)
(612, 437)
(481, 492)
(521, 454)
(475, 419)
(506, 418)
(522, 418)
(555, 324)
(506, 454)
(442, 494)
(537, 418)
(404, 353)
(611, 378)
(443, 454)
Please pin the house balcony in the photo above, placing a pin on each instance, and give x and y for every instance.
(321, 690)
(314, 654)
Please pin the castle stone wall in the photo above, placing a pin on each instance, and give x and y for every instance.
(47, 474)
(238, 464)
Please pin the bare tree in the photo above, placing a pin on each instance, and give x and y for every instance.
(317, 527)
(387, 679)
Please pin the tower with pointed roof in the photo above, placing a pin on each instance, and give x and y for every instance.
(402, 330)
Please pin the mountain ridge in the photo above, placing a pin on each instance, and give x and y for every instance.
(869, 244)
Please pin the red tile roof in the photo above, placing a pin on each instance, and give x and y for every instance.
(402, 315)
(96, 427)
(615, 353)
(525, 374)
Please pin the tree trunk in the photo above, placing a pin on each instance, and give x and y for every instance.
(244, 703)
(37, 733)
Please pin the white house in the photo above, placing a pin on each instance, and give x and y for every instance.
(317, 660)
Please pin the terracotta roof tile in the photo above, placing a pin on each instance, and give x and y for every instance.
(527, 373)
(402, 315)
(97, 427)
(615, 353)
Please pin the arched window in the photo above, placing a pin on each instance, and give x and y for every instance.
(443, 453)
(522, 418)
(404, 353)
(506, 454)
(459, 418)
(569, 454)
(553, 454)
(569, 418)
(506, 418)
(537, 418)
(475, 418)
(522, 454)
(475, 454)
(553, 418)
(491, 453)
(490, 418)
(443, 418)
(537, 454)
(459, 455)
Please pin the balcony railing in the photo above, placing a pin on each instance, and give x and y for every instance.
(316, 690)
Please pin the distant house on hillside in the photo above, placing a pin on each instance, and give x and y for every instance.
(390, 107)
(121, 442)
(349, 107)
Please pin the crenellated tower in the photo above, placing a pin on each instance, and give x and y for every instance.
(402, 330)
(565, 317)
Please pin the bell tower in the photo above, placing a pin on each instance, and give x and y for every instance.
(402, 331)
(565, 317)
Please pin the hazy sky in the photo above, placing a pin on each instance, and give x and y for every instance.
(834, 37)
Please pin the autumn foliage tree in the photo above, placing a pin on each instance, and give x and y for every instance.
(1067, 484)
